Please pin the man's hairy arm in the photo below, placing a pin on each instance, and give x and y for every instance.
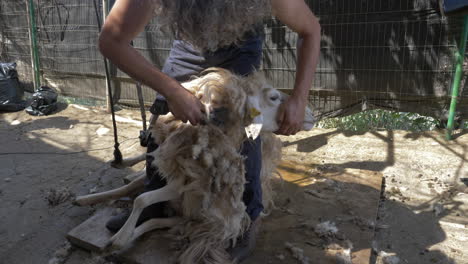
(126, 20)
(298, 17)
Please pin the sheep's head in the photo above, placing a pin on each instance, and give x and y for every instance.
(249, 100)
(264, 101)
(220, 89)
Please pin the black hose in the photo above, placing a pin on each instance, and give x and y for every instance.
(117, 154)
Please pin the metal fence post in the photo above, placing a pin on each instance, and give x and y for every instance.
(33, 39)
(459, 55)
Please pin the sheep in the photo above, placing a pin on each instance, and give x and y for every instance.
(204, 169)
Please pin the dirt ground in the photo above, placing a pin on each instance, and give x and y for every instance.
(330, 207)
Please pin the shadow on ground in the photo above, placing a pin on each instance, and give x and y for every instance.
(53, 163)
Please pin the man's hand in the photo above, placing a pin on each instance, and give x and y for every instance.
(185, 106)
(298, 17)
(291, 116)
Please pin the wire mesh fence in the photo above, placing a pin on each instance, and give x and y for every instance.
(14, 37)
(392, 54)
(374, 54)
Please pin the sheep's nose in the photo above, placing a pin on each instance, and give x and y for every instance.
(219, 116)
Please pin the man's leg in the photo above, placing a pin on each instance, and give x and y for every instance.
(252, 150)
(243, 62)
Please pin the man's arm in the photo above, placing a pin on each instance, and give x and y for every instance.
(298, 17)
(126, 20)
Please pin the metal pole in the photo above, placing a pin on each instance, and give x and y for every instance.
(33, 41)
(105, 12)
(459, 57)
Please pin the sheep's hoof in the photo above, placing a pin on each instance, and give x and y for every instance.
(111, 247)
(79, 201)
(119, 240)
(117, 164)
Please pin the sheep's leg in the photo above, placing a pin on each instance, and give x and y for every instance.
(129, 162)
(125, 234)
(156, 223)
(131, 177)
(112, 194)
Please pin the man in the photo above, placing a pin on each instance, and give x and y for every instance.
(211, 33)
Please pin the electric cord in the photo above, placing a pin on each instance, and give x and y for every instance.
(117, 154)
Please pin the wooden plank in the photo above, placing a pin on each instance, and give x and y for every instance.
(92, 234)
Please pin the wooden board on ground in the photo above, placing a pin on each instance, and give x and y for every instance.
(92, 234)
(309, 195)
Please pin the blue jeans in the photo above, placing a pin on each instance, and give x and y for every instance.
(185, 61)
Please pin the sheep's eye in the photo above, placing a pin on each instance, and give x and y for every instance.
(215, 102)
(274, 97)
